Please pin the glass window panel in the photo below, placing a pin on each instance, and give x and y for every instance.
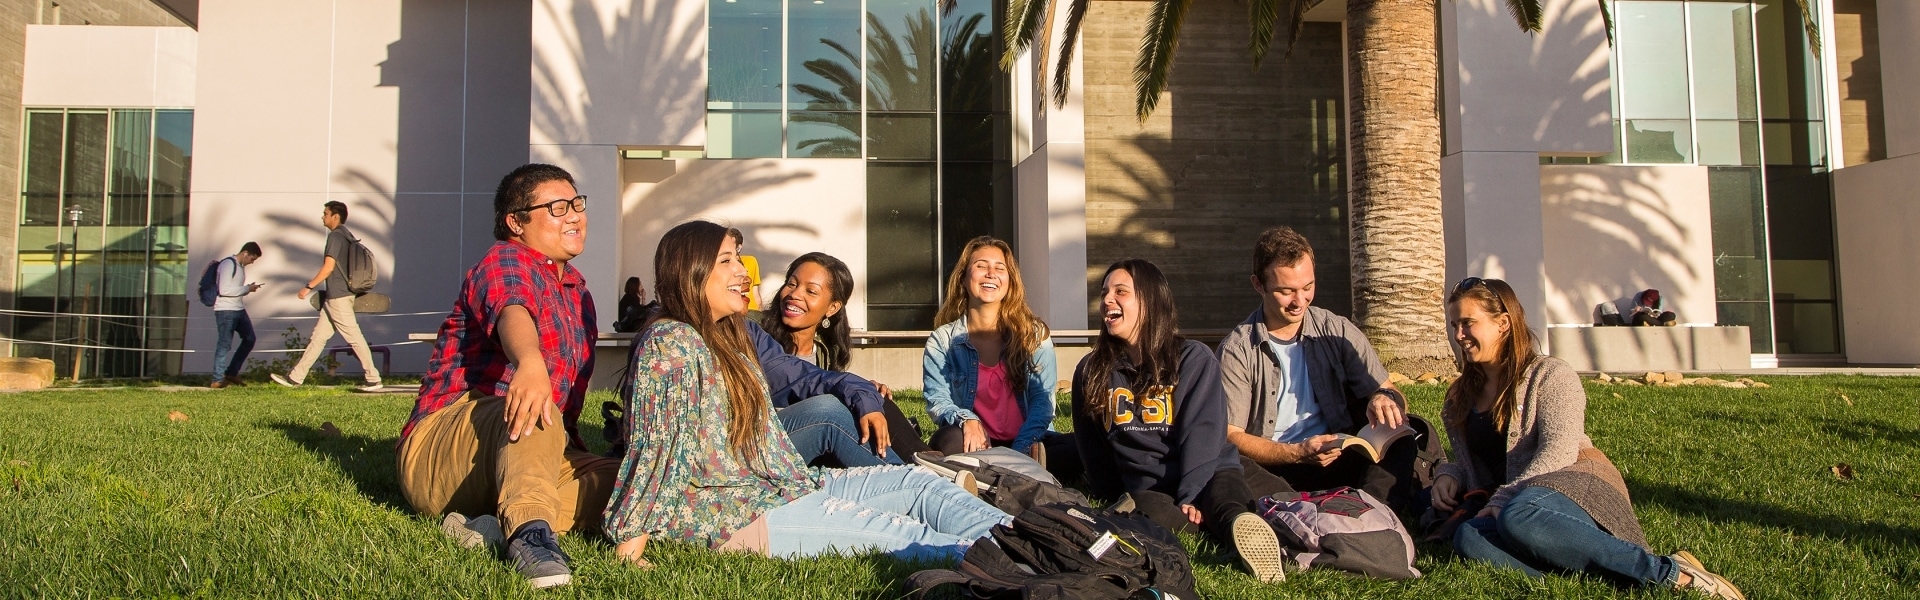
(1729, 142)
(977, 137)
(1758, 318)
(743, 54)
(1790, 79)
(127, 188)
(1795, 143)
(743, 134)
(900, 135)
(1739, 233)
(1805, 327)
(46, 131)
(1722, 41)
(971, 79)
(976, 199)
(823, 134)
(903, 273)
(1803, 279)
(1619, 148)
(1653, 57)
(823, 54)
(86, 166)
(172, 165)
(900, 58)
(1659, 142)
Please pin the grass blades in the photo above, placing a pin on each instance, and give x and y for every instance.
(102, 495)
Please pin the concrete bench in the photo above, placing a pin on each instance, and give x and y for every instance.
(1639, 349)
(386, 357)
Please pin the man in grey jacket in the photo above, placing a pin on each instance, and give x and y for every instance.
(1295, 375)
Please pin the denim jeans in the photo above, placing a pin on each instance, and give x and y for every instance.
(822, 426)
(906, 512)
(1543, 529)
(228, 360)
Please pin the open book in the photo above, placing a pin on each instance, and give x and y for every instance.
(1374, 439)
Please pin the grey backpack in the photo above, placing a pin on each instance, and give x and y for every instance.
(1342, 528)
(362, 273)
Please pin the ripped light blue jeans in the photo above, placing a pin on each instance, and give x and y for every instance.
(906, 512)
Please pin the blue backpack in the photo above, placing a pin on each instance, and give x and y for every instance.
(210, 282)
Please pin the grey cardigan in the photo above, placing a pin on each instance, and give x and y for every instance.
(1547, 446)
(1343, 369)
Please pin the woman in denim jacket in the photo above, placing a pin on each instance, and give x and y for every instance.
(988, 369)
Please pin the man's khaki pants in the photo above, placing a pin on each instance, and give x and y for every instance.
(335, 315)
(458, 459)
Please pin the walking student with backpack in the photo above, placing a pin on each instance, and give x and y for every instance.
(1151, 421)
(346, 270)
(221, 287)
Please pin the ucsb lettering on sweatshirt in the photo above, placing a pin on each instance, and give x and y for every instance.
(1168, 439)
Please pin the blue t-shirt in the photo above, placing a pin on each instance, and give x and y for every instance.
(1297, 414)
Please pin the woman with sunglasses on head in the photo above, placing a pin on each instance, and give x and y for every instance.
(708, 464)
(806, 319)
(1150, 419)
(988, 368)
(1516, 421)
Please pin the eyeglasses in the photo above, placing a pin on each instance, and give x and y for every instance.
(1472, 282)
(559, 208)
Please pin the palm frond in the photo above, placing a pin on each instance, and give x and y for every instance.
(1262, 15)
(1156, 53)
(1526, 13)
(1296, 20)
(1063, 73)
(1813, 28)
(1025, 26)
(1606, 17)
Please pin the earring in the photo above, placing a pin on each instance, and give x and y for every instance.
(826, 322)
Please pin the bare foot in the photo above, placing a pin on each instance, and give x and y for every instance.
(631, 550)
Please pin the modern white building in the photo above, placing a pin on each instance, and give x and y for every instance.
(1709, 152)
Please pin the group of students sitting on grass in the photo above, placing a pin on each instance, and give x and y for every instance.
(728, 418)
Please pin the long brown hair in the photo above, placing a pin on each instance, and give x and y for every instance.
(1159, 339)
(1020, 331)
(681, 266)
(1517, 352)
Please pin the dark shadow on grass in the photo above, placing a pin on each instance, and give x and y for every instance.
(369, 461)
(1883, 537)
(1864, 430)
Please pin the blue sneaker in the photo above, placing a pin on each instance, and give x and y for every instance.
(536, 555)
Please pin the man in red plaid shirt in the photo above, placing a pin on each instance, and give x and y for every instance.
(494, 430)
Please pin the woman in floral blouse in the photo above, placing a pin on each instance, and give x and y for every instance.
(706, 461)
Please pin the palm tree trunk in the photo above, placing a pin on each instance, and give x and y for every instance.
(1399, 259)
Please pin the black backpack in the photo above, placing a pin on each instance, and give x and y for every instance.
(1010, 491)
(1428, 454)
(1067, 552)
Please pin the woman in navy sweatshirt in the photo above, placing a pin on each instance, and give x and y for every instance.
(1151, 421)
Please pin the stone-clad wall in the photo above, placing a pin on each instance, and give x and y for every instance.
(1228, 153)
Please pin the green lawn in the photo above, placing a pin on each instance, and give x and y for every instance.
(101, 495)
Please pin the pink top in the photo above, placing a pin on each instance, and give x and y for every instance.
(993, 401)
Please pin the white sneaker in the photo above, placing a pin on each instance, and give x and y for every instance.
(370, 388)
(484, 529)
(1258, 547)
(283, 380)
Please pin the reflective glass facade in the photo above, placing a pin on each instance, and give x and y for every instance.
(1734, 86)
(103, 231)
(912, 86)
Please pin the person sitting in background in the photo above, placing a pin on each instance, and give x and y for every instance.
(805, 319)
(708, 464)
(988, 368)
(632, 307)
(1150, 422)
(1643, 309)
(1516, 421)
